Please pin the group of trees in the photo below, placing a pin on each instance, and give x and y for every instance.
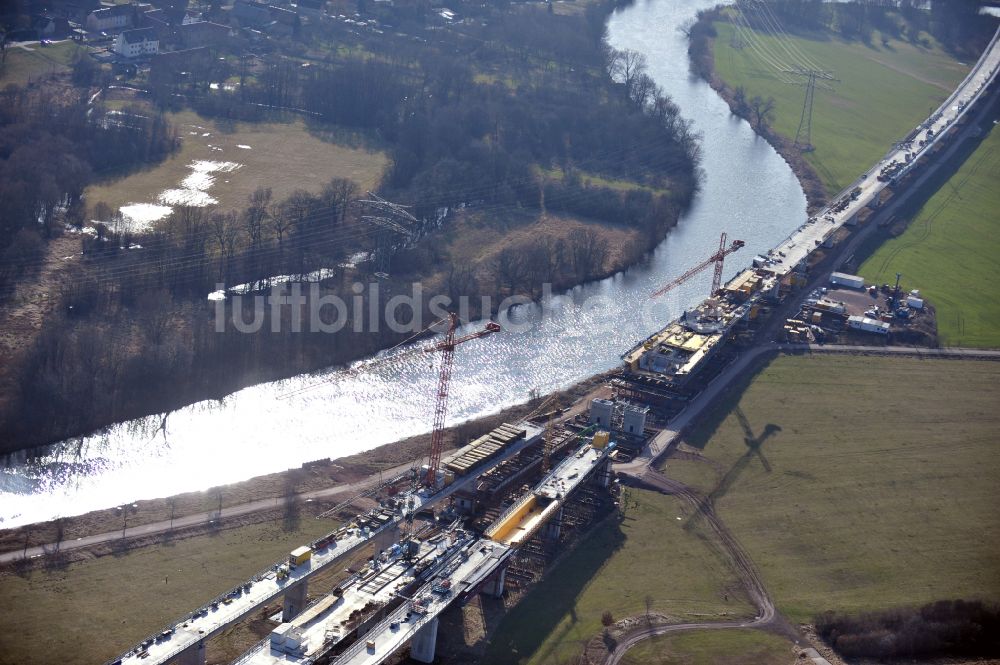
(955, 23)
(455, 139)
(759, 111)
(196, 248)
(524, 268)
(947, 628)
(52, 145)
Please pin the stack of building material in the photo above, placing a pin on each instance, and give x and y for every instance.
(483, 449)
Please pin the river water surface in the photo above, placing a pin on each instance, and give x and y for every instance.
(748, 191)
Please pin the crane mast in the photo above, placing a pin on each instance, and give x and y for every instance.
(447, 349)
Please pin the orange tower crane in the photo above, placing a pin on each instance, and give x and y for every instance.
(716, 258)
(447, 349)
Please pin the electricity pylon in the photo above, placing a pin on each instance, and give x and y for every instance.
(814, 78)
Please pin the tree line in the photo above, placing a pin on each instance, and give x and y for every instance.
(957, 24)
(946, 628)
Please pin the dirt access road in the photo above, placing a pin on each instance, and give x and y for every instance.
(641, 472)
(766, 614)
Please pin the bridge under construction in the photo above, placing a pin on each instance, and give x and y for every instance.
(410, 577)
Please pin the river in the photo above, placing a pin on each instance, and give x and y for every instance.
(748, 191)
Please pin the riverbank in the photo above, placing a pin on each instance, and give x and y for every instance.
(871, 89)
(701, 53)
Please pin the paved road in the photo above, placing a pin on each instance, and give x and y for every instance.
(197, 519)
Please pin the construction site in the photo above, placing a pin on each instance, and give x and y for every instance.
(439, 536)
(500, 510)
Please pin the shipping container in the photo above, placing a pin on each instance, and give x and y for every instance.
(850, 281)
(299, 556)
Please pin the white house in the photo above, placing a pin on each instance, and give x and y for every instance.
(134, 43)
(109, 19)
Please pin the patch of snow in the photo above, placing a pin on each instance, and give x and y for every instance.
(355, 259)
(194, 188)
(274, 280)
(144, 214)
(186, 197)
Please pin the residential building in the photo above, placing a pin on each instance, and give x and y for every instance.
(136, 43)
(116, 18)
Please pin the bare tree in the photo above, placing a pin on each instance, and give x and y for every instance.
(762, 109)
(644, 91)
(461, 282)
(102, 212)
(337, 195)
(255, 215)
(155, 312)
(509, 268)
(740, 98)
(589, 254)
(625, 66)
(225, 229)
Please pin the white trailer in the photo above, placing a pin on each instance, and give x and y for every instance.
(850, 281)
(865, 324)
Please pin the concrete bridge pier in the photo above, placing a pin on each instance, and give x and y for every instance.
(193, 655)
(498, 583)
(605, 474)
(554, 526)
(294, 601)
(424, 643)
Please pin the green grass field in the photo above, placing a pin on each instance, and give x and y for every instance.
(618, 565)
(708, 647)
(951, 251)
(23, 64)
(883, 92)
(89, 611)
(282, 156)
(876, 487)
